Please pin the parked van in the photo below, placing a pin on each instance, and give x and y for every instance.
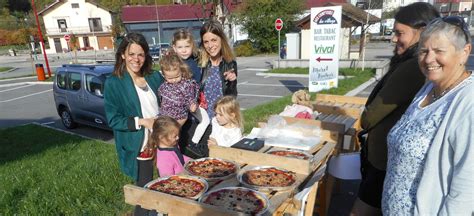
(78, 94)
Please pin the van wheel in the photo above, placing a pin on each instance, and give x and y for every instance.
(67, 120)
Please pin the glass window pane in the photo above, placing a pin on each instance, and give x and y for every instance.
(94, 85)
(75, 81)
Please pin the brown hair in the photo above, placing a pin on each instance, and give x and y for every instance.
(229, 105)
(162, 126)
(171, 60)
(185, 34)
(129, 39)
(215, 27)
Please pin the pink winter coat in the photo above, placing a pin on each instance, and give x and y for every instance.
(167, 162)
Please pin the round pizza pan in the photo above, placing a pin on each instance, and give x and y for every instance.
(197, 178)
(257, 193)
(306, 154)
(237, 168)
(240, 177)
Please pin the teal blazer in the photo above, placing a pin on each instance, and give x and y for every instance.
(121, 106)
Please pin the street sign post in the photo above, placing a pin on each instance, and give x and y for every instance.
(278, 24)
(278, 27)
(324, 59)
(67, 37)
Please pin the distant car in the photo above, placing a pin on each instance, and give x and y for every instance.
(78, 94)
(157, 50)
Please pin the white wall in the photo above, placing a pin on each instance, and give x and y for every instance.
(77, 21)
(238, 33)
(293, 45)
(305, 43)
(305, 40)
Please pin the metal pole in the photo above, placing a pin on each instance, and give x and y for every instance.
(365, 36)
(41, 37)
(279, 50)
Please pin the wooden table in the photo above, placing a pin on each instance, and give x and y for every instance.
(281, 202)
(344, 110)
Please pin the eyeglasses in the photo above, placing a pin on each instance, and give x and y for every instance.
(459, 22)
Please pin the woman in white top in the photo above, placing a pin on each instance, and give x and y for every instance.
(430, 166)
(131, 106)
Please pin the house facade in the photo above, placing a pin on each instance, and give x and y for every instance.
(85, 20)
(158, 23)
(454, 7)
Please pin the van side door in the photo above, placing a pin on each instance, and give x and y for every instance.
(75, 95)
(94, 99)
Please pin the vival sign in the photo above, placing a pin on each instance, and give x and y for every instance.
(324, 60)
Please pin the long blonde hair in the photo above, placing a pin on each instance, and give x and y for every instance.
(230, 109)
(171, 60)
(185, 34)
(215, 27)
(162, 126)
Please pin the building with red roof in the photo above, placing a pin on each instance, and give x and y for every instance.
(158, 23)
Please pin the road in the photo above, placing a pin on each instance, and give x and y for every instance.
(31, 102)
(23, 101)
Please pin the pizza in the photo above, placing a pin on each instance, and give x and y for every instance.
(268, 177)
(291, 154)
(211, 168)
(183, 186)
(237, 199)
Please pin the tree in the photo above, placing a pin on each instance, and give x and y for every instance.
(258, 19)
(19, 5)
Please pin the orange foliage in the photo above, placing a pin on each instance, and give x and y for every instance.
(16, 37)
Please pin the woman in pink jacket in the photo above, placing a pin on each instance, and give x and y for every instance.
(165, 136)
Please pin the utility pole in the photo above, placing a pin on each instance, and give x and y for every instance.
(41, 37)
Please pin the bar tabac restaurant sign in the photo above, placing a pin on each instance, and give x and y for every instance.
(324, 60)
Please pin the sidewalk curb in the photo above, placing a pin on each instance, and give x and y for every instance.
(40, 83)
(281, 75)
(363, 86)
(8, 71)
(17, 78)
(292, 75)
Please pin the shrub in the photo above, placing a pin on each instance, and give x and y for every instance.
(245, 49)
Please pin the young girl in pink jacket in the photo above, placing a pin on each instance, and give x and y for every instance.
(165, 136)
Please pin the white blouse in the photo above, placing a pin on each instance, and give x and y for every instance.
(149, 105)
(225, 136)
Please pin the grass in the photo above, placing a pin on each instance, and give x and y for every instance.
(289, 71)
(47, 172)
(4, 69)
(261, 113)
(156, 66)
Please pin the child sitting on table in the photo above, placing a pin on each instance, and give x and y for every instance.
(165, 136)
(227, 125)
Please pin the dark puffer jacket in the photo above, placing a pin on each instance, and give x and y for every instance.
(228, 87)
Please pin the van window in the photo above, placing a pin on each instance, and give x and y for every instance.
(94, 85)
(74, 81)
(61, 80)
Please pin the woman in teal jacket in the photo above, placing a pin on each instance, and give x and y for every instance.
(131, 106)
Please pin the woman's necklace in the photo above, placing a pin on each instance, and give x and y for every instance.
(141, 83)
(435, 97)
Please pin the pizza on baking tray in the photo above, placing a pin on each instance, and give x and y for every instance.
(211, 168)
(269, 177)
(237, 199)
(291, 154)
(179, 186)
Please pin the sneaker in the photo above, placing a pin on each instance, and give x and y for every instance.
(144, 156)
